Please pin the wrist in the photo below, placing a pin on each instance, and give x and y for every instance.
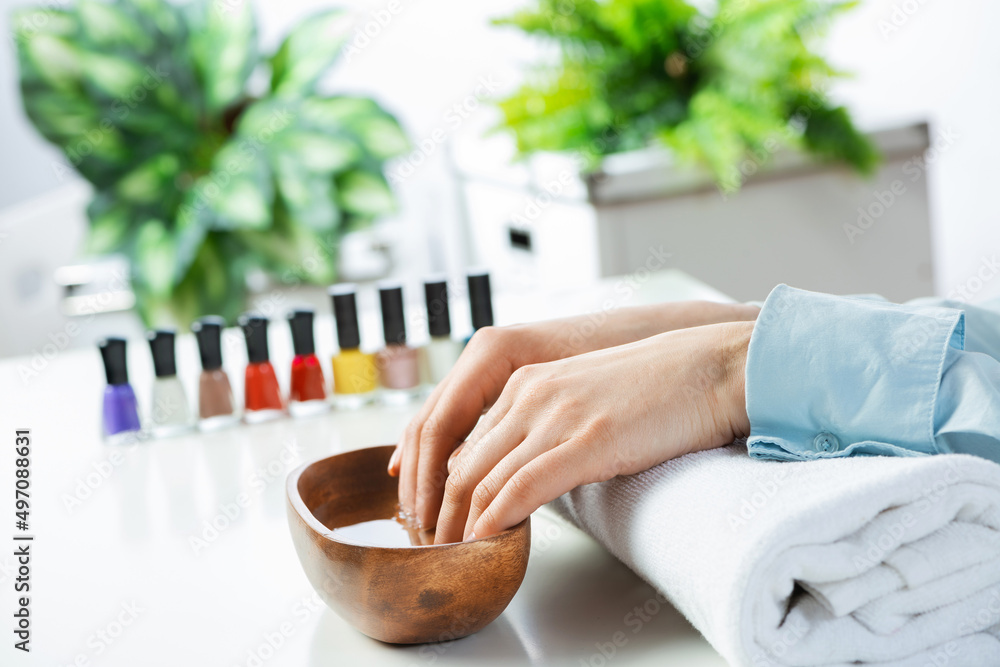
(743, 312)
(734, 347)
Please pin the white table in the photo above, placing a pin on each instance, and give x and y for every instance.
(116, 580)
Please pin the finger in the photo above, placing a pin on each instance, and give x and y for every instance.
(476, 381)
(412, 432)
(496, 413)
(411, 443)
(464, 479)
(542, 480)
(413, 534)
(408, 480)
(457, 413)
(534, 445)
(454, 457)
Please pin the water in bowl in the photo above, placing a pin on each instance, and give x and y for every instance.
(396, 531)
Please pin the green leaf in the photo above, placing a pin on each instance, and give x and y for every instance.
(61, 117)
(147, 183)
(294, 252)
(237, 193)
(365, 194)
(831, 135)
(107, 26)
(225, 51)
(57, 60)
(115, 76)
(241, 204)
(267, 118)
(308, 196)
(154, 249)
(308, 51)
(214, 284)
(715, 84)
(27, 22)
(335, 112)
(320, 153)
(193, 220)
(383, 136)
(160, 17)
(109, 225)
(195, 182)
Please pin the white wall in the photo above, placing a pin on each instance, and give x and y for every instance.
(942, 62)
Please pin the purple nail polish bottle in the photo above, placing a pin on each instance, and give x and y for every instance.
(121, 413)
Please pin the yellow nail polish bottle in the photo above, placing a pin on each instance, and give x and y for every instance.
(355, 377)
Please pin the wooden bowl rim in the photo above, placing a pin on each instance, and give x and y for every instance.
(295, 500)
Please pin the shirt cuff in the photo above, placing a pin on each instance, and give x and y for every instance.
(830, 376)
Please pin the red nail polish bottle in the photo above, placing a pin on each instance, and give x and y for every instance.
(263, 396)
(308, 391)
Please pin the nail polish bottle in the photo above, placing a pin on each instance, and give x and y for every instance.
(216, 405)
(480, 301)
(398, 369)
(121, 412)
(261, 391)
(440, 355)
(355, 377)
(307, 395)
(169, 412)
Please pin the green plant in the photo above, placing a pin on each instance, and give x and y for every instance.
(207, 159)
(716, 89)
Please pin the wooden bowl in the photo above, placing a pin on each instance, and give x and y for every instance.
(406, 595)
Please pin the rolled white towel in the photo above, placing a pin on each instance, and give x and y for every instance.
(873, 560)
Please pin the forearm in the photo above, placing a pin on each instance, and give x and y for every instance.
(734, 347)
(628, 325)
(567, 337)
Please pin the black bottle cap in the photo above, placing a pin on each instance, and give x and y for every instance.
(480, 300)
(393, 320)
(161, 344)
(301, 322)
(208, 331)
(255, 331)
(345, 312)
(438, 318)
(113, 354)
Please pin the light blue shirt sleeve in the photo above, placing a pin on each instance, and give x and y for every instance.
(830, 376)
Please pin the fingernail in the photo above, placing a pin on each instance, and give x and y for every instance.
(393, 461)
(471, 537)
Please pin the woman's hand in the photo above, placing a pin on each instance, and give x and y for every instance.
(588, 418)
(488, 362)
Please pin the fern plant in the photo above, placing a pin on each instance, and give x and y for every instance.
(208, 159)
(722, 89)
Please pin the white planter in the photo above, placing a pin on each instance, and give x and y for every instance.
(811, 226)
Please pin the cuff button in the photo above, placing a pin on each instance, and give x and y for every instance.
(826, 442)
